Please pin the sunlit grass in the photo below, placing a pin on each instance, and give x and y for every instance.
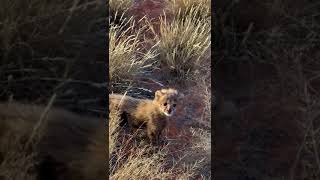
(126, 57)
(184, 44)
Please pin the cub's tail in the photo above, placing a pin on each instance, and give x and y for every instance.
(123, 104)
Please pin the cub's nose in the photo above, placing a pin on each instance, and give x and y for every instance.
(169, 111)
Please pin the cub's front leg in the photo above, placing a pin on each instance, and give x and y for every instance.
(153, 136)
(154, 133)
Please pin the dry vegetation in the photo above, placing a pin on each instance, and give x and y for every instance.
(180, 8)
(126, 57)
(184, 44)
(175, 46)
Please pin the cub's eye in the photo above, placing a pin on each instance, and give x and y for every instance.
(174, 105)
(165, 104)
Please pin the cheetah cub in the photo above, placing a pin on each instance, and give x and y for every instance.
(146, 112)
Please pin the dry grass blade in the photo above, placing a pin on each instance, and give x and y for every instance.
(36, 132)
(120, 6)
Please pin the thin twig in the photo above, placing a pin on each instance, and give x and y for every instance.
(36, 128)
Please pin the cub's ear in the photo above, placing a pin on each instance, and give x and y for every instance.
(158, 94)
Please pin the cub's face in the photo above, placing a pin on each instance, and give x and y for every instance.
(167, 100)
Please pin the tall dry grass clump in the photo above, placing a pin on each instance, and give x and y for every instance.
(180, 8)
(126, 57)
(184, 44)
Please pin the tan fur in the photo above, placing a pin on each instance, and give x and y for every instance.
(76, 144)
(152, 113)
